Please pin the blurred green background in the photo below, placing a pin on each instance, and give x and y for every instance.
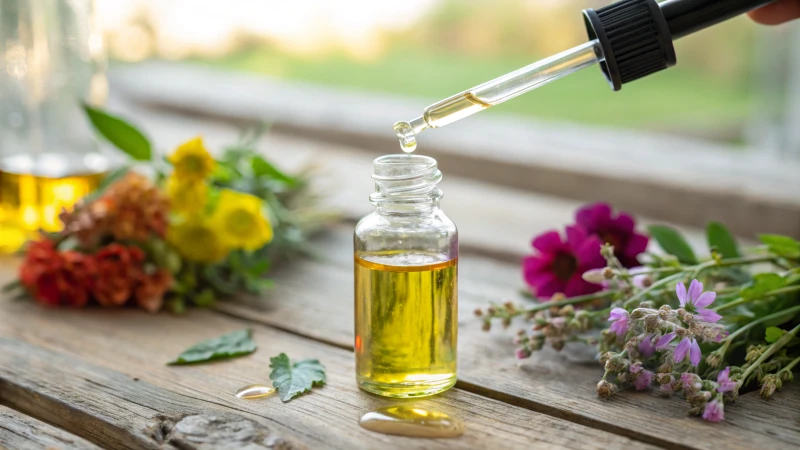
(446, 46)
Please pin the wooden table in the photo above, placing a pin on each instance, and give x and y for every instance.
(94, 377)
(76, 377)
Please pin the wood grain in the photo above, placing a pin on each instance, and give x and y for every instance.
(85, 372)
(559, 384)
(21, 432)
(116, 411)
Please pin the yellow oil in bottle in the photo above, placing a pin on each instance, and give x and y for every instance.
(406, 324)
(29, 203)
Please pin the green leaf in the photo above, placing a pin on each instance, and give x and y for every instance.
(123, 135)
(761, 284)
(781, 245)
(773, 334)
(292, 380)
(205, 297)
(262, 167)
(721, 239)
(673, 243)
(231, 345)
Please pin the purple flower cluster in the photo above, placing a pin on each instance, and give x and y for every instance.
(558, 264)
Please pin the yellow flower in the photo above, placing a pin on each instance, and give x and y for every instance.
(197, 241)
(187, 197)
(239, 219)
(192, 161)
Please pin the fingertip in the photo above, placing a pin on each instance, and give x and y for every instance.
(776, 13)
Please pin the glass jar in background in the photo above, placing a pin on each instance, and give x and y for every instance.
(51, 60)
(406, 283)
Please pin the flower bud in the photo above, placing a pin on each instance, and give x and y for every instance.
(487, 325)
(646, 304)
(607, 251)
(651, 322)
(478, 312)
(557, 297)
(506, 322)
(647, 281)
(713, 360)
(522, 353)
(608, 273)
(595, 276)
(770, 384)
(509, 306)
(568, 310)
(605, 389)
(491, 310)
(638, 313)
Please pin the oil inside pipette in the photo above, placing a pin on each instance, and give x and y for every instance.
(408, 420)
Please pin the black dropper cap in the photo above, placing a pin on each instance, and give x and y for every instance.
(636, 35)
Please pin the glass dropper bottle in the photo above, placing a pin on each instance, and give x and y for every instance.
(630, 39)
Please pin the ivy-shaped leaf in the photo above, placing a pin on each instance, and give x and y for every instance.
(120, 133)
(673, 243)
(292, 380)
(721, 239)
(781, 245)
(773, 334)
(761, 284)
(231, 345)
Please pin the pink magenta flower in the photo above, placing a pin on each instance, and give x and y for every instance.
(558, 265)
(598, 219)
(664, 341)
(691, 347)
(724, 381)
(714, 411)
(643, 380)
(695, 301)
(620, 318)
(646, 347)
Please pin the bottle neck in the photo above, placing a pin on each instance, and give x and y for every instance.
(405, 185)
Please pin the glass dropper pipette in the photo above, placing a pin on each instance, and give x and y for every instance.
(497, 91)
(630, 39)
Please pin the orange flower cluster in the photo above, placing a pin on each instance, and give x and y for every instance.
(112, 276)
(130, 209)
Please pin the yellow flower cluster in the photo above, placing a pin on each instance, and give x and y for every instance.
(203, 232)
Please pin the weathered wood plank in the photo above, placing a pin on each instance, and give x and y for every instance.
(116, 411)
(21, 432)
(559, 384)
(136, 345)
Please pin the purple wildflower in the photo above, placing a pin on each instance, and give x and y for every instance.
(691, 347)
(714, 411)
(643, 380)
(559, 264)
(522, 353)
(691, 382)
(620, 318)
(646, 347)
(695, 301)
(724, 381)
(598, 219)
(664, 341)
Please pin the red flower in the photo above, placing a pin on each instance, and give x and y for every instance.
(559, 265)
(618, 231)
(151, 290)
(119, 269)
(54, 278)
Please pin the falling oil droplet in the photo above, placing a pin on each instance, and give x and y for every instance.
(406, 136)
(411, 421)
(255, 391)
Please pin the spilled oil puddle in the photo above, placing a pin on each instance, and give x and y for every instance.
(412, 421)
(255, 391)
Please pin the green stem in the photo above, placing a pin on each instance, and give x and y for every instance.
(657, 284)
(788, 367)
(697, 269)
(569, 301)
(770, 351)
(732, 336)
(741, 301)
